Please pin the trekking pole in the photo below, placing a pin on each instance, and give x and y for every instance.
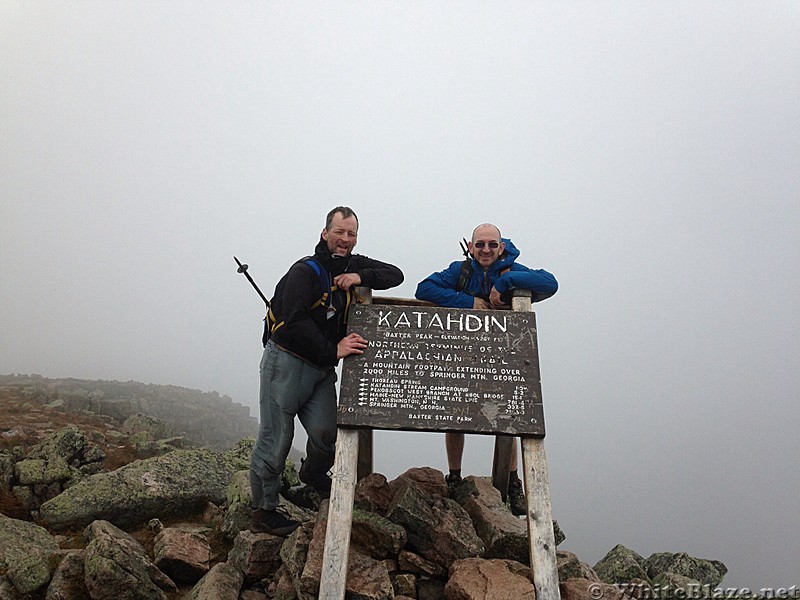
(465, 247)
(243, 270)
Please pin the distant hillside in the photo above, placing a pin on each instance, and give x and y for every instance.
(204, 418)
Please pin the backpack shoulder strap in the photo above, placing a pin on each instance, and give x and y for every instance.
(328, 287)
(271, 321)
(464, 275)
(324, 280)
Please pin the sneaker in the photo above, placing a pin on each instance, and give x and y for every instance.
(516, 498)
(273, 522)
(453, 481)
(322, 485)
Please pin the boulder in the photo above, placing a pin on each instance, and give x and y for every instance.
(7, 590)
(293, 554)
(68, 443)
(153, 428)
(222, 582)
(375, 535)
(621, 565)
(34, 471)
(68, 580)
(7, 463)
(404, 584)
(256, 555)
(117, 566)
(171, 486)
(429, 480)
(183, 553)
(438, 528)
(373, 494)
(503, 534)
(238, 498)
(707, 572)
(479, 578)
(570, 567)
(666, 583)
(414, 563)
(239, 454)
(25, 551)
(367, 578)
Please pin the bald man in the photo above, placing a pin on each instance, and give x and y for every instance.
(493, 276)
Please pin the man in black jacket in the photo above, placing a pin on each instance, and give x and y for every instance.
(307, 328)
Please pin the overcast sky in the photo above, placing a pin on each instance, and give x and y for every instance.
(647, 154)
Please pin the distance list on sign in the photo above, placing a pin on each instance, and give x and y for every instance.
(443, 369)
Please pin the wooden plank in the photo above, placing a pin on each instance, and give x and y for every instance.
(365, 459)
(333, 581)
(501, 465)
(540, 520)
(388, 300)
(537, 494)
(349, 460)
(365, 454)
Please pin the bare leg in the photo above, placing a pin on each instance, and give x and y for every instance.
(454, 446)
(514, 456)
(516, 497)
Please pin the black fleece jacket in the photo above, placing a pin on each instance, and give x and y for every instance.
(309, 333)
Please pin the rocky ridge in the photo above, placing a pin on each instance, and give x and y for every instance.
(206, 419)
(173, 525)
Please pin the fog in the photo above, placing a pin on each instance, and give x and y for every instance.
(647, 154)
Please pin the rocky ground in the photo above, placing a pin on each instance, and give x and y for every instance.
(94, 509)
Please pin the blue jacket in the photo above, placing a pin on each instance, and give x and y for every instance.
(440, 287)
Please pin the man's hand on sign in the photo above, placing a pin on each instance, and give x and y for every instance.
(494, 298)
(480, 304)
(350, 344)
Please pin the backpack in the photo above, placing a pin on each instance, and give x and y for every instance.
(271, 321)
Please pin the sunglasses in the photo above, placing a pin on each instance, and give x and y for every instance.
(492, 245)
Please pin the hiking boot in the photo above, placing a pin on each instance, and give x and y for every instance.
(273, 522)
(453, 481)
(321, 485)
(516, 498)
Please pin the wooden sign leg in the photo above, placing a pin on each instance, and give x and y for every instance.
(333, 581)
(504, 445)
(540, 520)
(365, 462)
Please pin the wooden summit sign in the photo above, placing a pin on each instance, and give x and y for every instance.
(443, 369)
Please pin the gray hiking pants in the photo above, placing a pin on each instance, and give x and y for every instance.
(291, 387)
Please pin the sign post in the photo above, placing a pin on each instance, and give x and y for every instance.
(348, 465)
(333, 580)
(541, 538)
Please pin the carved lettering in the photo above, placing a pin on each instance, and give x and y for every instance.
(441, 369)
